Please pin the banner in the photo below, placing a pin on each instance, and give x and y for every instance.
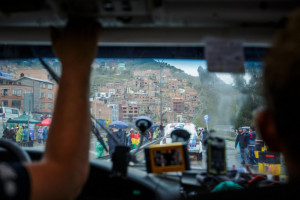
(31, 131)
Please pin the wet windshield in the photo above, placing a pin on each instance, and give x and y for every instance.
(172, 92)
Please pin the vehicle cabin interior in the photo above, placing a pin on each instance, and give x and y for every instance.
(142, 29)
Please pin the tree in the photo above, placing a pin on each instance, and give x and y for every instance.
(252, 92)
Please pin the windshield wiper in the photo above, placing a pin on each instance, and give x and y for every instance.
(94, 128)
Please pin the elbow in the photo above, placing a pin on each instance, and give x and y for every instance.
(77, 179)
(72, 179)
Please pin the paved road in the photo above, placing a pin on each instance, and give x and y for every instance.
(231, 157)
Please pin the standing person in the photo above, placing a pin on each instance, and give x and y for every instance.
(111, 143)
(12, 134)
(161, 131)
(45, 134)
(239, 132)
(205, 135)
(156, 133)
(243, 140)
(128, 139)
(151, 132)
(236, 133)
(199, 132)
(251, 146)
(146, 138)
(40, 135)
(138, 138)
(149, 135)
(121, 135)
(132, 138)
(25, 134)
(6, 133)
(19, 135)
(135, 139)
(99, 148)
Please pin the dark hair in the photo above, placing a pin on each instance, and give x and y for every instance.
(281, 82)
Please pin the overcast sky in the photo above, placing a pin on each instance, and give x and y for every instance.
(190, 67)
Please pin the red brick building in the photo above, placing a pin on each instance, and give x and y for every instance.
(40, 94)
(178, 105)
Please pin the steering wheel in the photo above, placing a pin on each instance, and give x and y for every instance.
(16, 150)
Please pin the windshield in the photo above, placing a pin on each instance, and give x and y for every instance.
(172, 92)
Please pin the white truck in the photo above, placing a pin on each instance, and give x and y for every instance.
(194, 146)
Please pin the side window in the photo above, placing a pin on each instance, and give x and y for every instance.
(42, 105)
(4, 92)
(42, 95)
(27, 91)
(8, 110)
(50, 95)
(49, 105)
(17, 92)
(15, 111)
(43, 85)
(1, 110)
(50, 87)
(4, 103)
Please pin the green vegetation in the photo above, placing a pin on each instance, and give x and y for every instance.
(252, 92)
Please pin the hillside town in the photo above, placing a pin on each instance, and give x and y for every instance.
(150, 92)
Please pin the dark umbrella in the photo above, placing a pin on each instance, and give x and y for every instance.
(119, 125)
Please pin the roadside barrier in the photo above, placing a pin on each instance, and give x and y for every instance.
(272, 163)
(261, 160)
(259, 147)
(269, 163)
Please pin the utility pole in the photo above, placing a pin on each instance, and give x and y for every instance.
(95, 105)
(160, 82)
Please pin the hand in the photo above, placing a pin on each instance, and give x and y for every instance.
(76, 44)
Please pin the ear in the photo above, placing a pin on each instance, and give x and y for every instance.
(268, 130)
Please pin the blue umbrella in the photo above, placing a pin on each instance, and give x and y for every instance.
(119, 125)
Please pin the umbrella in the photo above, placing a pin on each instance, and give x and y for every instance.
(45, 122)
(23, 119)
(119, 125)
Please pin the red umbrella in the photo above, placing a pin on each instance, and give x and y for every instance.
(45, 122)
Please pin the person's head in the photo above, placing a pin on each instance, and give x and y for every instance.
(277, 121)
(244, 130)
(252, 129)
(131, 131)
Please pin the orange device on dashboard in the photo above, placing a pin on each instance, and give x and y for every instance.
(167, 158)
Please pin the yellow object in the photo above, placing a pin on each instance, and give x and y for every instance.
(174, 151)
(269, 163)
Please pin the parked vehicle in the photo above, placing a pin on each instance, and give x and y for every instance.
(194, 145)
(7, 113)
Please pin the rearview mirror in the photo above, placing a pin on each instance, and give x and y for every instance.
(180, 135)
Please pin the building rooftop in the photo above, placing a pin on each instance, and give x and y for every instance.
(36, 79)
